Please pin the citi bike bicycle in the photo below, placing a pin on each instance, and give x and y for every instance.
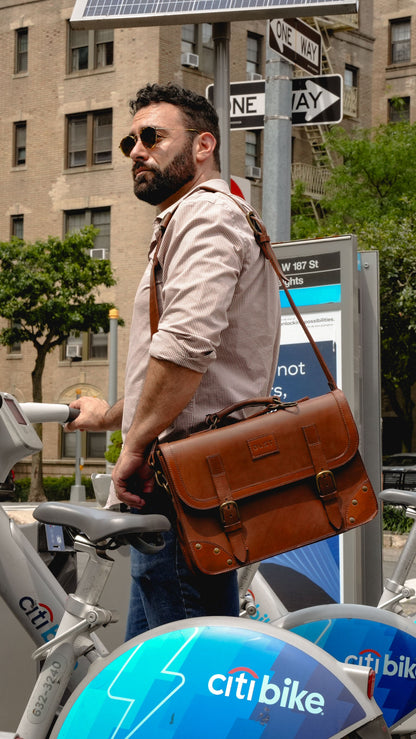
(382, 637)
(205, 677)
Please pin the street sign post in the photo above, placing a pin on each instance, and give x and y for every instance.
(297, 42)
(315, 100)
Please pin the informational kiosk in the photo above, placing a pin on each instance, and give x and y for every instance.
(324, 278)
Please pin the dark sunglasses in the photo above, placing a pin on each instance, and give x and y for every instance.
(149, 136)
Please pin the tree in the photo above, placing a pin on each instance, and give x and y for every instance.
(372, 193)
(48, 290)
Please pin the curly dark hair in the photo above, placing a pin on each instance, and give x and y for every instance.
(198, 113)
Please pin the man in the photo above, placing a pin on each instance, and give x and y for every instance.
(217, 338)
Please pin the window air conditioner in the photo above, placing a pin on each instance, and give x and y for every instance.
(190, 60)
(99, 253)
(74, 351)
(254, 76)
(253, 173)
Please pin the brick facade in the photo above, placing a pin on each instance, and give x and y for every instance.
(45, 188)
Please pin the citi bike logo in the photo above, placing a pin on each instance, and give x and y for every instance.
(385, 665)
(244, 684)
(40, 616)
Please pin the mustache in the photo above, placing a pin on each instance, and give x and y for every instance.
(142, 165)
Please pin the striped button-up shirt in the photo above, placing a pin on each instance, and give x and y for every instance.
(219, 308)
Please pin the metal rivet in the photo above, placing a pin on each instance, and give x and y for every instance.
(365, 488)
(355, 502)
(216, 550)
(229, 561)
(198, 546)
(351, 519)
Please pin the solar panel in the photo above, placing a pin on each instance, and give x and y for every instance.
(119, 13)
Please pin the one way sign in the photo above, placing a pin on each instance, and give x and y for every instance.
(316, 100)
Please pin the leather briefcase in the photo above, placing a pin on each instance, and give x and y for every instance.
(289, 475)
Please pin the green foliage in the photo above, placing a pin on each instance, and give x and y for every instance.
(372, 193)
(49, 289)
(395, 520)
(376, 177)
(56, 488)
(113, 452)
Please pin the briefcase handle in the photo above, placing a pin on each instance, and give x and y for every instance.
(269, 404)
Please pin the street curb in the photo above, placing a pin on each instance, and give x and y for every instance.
(394, 540)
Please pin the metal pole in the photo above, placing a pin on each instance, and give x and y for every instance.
(221, 36)
(277, 147)
(78, 490)
(112, 368)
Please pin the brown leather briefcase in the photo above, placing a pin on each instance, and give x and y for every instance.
(289, 475)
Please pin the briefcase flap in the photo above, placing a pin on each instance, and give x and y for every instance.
(261, 453)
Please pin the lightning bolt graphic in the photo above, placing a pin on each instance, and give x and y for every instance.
(131, 701)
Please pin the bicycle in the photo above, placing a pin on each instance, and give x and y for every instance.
(207, 677)
(383, 637)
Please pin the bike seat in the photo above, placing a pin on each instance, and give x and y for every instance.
(399, 497)
(98, 524)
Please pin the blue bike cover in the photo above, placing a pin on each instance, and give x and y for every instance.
(216, 682)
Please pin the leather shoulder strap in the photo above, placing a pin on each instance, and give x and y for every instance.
(263, 240)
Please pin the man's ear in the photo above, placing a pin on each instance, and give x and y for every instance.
(205, 145)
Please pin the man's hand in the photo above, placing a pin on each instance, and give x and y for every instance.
(91, 416)
(133, 478)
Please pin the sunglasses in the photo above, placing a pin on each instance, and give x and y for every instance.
(149, 136)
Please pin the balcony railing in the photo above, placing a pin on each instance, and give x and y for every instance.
(313, 178)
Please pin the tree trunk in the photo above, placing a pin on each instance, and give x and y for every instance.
(37, 493)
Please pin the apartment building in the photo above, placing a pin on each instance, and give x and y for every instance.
(64, 109)
(394, 78)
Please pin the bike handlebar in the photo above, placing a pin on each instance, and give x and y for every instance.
(45, 412)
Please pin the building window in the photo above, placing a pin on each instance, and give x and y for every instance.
(19, 144)
(90, 49)
(21, 46)
(350, 101)
(98, 217)
(399, 109)
(400, 41)
(93, 444)
(16, 226)
(197, 47)
(98, 345)
(90, 138)
(83, 347)
(15, 348)
(253, 56)
(253, 158)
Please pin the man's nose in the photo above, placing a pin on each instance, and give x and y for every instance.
(139, 151)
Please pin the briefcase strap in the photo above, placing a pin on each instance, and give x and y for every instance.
(263, 240)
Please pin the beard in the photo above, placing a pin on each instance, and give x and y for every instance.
(162, 183)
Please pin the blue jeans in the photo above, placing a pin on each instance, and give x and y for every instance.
(163, 589)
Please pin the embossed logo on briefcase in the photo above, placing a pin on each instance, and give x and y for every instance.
(261, 446)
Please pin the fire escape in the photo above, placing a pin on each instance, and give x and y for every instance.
(314, 176)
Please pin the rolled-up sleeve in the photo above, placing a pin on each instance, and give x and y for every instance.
(201, 259)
